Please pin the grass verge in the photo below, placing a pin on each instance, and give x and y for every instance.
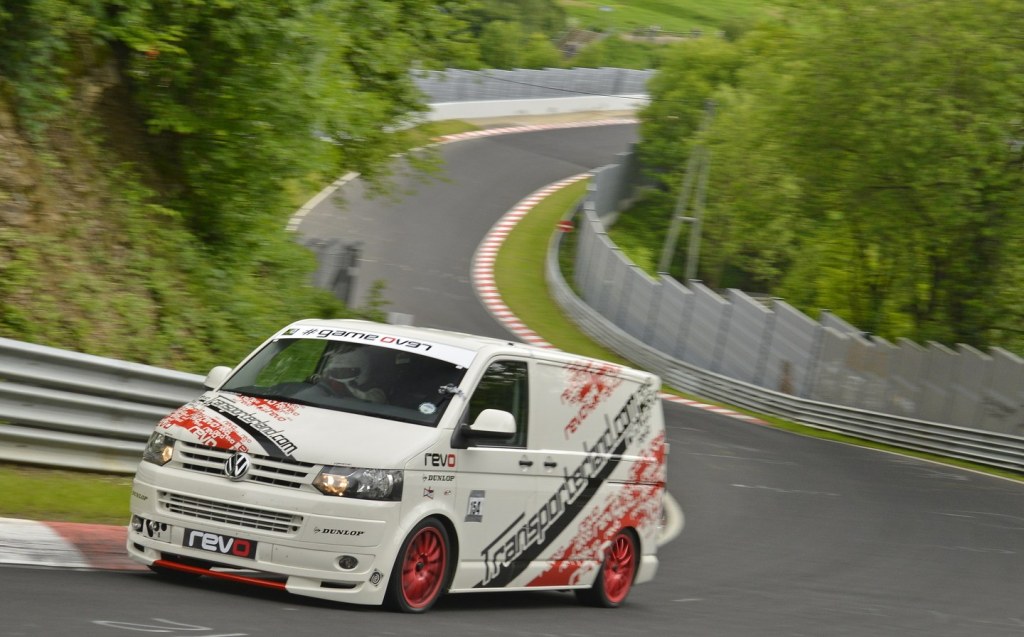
(48, 494)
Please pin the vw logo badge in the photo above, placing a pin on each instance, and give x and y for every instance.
(237, 466)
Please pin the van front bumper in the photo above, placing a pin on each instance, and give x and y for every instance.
(336, 548)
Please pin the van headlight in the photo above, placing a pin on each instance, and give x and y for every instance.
(159, 449)
(366, 484)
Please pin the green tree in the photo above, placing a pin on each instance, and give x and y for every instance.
(42, 44)
(865, 158)
(534, 16)
(501, 45)
(151, 202)
(541, 53)
(613, 51)
(899, 120)
(237, 93)
(693, 72)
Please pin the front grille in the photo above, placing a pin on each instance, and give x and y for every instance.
(279, 472)
(231, 514)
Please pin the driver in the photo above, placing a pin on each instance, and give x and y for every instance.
(347, 372)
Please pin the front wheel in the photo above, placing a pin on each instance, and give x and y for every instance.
(615, 578)
(421, 569)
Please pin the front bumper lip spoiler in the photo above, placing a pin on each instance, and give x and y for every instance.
(232, 577)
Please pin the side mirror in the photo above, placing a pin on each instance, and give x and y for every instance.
(216, 377)
(493, 424)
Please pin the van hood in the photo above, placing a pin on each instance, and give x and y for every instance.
(288, 430)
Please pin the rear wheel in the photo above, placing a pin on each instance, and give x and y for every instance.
(421, 569)
(615, 578)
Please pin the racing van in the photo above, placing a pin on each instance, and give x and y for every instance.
(381, 464)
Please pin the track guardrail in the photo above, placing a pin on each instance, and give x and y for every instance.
(65, 409)
(982, 447)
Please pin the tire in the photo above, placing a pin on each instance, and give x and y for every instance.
(421, 571)
(615, 578)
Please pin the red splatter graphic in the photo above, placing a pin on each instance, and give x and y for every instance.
(589, 383)
(208, 429)
(279, 411)
(636, 505)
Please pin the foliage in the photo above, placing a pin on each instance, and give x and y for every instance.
(545, 17)
(501, 45)
(42, 42)
(692, 73)
(122, 277)
(677, 16)
(237, 91)
(167, 140)
(540, 53)
(865, 158)
(641, 232)
(616, 52)
(506, 45)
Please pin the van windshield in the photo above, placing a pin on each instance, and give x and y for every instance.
(356, 378)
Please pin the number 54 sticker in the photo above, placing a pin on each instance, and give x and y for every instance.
(475, 508)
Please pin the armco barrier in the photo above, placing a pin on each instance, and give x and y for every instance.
(65, 409)
(982, 447)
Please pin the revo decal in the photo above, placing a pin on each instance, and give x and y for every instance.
(217, 543)
(439, 460)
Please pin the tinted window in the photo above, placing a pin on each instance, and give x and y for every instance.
(504, 386)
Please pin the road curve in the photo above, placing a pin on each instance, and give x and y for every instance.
(785, 535)
(421, 244)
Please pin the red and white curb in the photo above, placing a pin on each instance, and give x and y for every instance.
(487, 253)
(65, 545)
(487, 289)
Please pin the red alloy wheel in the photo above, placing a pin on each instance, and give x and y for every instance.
(423, 567)
(619, 568)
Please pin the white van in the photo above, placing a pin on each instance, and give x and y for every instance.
(369, 463)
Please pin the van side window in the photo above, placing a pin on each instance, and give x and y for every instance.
(504, 386)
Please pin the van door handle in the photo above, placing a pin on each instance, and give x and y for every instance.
(550, 464)
(525, 462)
